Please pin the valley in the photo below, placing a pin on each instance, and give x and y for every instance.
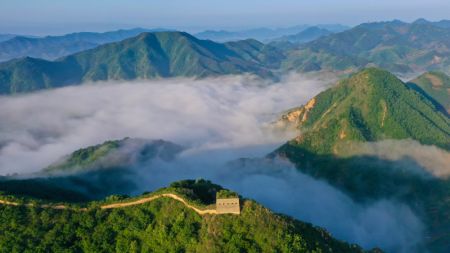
(187, 127)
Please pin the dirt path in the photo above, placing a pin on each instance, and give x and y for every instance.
(125, 204)
(8, 203)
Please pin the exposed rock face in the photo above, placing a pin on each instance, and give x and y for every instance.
(296, 116)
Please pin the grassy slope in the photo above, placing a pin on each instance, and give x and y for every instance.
(163, 225)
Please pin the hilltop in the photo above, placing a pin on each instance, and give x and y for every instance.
(371, 105)
(115, 153)
(163, 224)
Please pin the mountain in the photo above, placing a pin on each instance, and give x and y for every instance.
(53, 47)
(396, 46)
(169, 223)
(118, 153)
(306, 35)
(360, 136)
(263, 34)
(93, 172)
(146, 56)
(434, 85)
(371, 105)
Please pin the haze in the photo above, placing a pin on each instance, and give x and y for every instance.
(41, 17)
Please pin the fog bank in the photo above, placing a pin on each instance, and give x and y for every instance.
(219, 120)
(226, 112)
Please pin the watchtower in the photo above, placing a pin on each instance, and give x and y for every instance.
(228, 205)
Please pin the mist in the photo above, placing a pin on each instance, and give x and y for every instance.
(215, 113)
(218, 120)
(428, 160)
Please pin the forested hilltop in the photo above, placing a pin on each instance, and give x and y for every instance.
(161, 225)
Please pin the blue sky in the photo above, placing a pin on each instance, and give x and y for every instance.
(60, 16)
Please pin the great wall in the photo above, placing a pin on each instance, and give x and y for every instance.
(223, 206)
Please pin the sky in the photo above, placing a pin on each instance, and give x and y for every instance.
(61, 16)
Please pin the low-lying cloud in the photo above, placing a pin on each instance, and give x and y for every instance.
(219, 120)
(430, 160)
(215, 113)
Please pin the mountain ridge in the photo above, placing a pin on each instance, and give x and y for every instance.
(53, 47)
(394, 45)
(148, 55)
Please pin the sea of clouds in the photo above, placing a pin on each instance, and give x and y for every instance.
(219, 120)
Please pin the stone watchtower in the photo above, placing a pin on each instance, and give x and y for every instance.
(228, 205)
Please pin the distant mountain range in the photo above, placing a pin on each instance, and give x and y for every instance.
(146, 56)
(53, 47)
(263, 34)
(307, 35)
(402, 48)
(396, 46)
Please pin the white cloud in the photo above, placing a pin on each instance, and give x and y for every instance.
(224, 112)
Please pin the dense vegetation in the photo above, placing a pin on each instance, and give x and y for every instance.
(163, 225)
(371, 105)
